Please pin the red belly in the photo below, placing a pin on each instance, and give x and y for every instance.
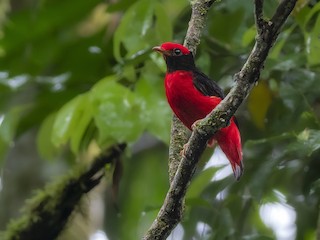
(188, 104)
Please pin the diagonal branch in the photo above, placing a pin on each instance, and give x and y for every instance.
(46, 214)
(171, 210)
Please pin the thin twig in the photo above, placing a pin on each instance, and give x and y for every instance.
(258, 4)
(283, 11)
(197, 21)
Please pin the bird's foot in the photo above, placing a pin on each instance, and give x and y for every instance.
(194, 125)
(184, 149)
(211, 143)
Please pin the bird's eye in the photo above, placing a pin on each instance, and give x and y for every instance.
(177, 52)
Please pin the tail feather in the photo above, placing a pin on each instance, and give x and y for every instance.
(237, 169)
(229, 141)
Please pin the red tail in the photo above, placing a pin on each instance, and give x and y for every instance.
(229, 141)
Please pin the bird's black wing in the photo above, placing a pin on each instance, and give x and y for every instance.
(205, 85)
(208, 87)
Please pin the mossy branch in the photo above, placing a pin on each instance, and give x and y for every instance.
(46, 214)
(267, 32)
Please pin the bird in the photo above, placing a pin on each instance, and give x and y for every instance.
(192, 95)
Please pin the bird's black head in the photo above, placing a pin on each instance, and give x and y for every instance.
(177, 57)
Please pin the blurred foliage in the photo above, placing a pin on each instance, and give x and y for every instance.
(82, 71)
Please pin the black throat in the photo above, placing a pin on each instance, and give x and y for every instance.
(183, 62)
(201, 81)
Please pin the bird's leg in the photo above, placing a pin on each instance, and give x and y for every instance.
(211, 143)
(184, 149)
(194, 125)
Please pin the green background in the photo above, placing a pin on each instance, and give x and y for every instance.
(79, 76)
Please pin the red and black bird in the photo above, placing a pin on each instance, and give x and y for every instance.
(192, 95)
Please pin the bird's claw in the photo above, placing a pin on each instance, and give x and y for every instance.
(184, 149)
(194, 125)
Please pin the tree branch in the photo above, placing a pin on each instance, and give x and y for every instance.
(258, 4)
(171, 210)
(47, 213)
(179, 136)
(197, 21)
(179, 133)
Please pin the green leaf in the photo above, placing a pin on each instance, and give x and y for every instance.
(150, 87)
(159, 123)
(249, 36)
(310, 29)
(314, 10)
(71, 121)
(198, 201)
(133, 28)
(8, 125)
(46, 148)
(271, 140)
(163, 25)
(283, 37)
(144, 24)
(85, 117)
(43, 23)
(4, 8)
(201, 182)
(223, 30)
(118, 112)
(308, 141)
(313, 43)
(119, 6)
(139, 195)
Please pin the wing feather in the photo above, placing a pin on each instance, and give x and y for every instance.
(208, 87)
(205, 85)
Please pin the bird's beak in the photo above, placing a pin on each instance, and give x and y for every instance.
(160, 50)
